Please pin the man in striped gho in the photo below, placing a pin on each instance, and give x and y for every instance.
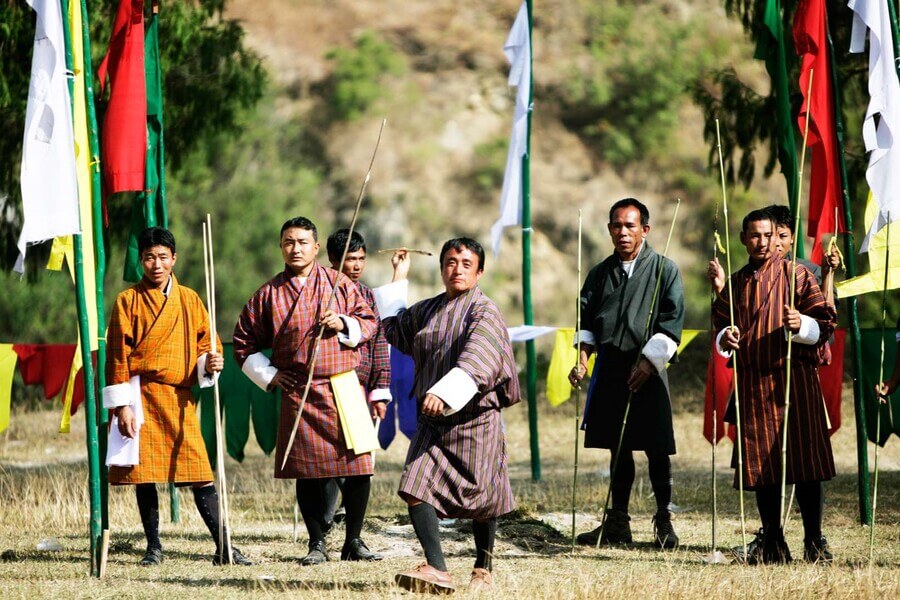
(465, 374)
(763, 316)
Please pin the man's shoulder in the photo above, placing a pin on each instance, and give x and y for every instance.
(129, 294)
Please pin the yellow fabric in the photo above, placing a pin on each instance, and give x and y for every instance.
(8, 360)
(353, 410)
(873, 281)
(63, 248)
(687, 336)
(64, 420)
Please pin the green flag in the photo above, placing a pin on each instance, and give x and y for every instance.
(149, 207)
(770, 48)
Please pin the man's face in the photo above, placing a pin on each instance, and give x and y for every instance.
(157, 262)
(299, 250)
(626, 232)
(460, 271)
(784, 240)
(759, 240)
(354, 264)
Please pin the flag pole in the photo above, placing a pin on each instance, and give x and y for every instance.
(862, 457)
(577, 387)
(879, 399)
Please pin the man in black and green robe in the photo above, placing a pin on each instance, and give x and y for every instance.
(616, 299)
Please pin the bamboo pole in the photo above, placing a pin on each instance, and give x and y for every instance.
(577, 387)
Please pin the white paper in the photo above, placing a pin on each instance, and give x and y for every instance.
(122, 451)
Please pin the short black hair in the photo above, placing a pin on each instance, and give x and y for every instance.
(300, 223)
(625, 203)
(781, 215)
(337, 241)
(156, 236)
(461, 243)
(760, 214)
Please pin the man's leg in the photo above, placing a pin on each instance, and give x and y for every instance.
(623, 481)
(207, 500)
(484, 532)
(332, 491)
(616, 529)
(356, 498)
(660, 468)
(811, 500)
(311, 499)
(432, 576)
(768, 502)
(148, 506)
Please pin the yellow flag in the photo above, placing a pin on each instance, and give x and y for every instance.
(353, 411)
(8, 360)
(77, 363)
(873, 281)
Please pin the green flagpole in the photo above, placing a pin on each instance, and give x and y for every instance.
(862, 456)
(530, 358)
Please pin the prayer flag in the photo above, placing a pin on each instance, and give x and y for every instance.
(561, 362)
(831, 377)
(719, 385)
(873, 281)
(871, 352)
(8, 359)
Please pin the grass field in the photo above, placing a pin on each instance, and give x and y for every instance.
(43, 498)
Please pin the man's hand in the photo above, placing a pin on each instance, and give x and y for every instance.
(715, 274)
(214, 363)
(127, 422)
(884, 389)
(433, 406)
(730, 339)
(832, 260)
(791, 319)
(332, 320)
(285, 380)
(640, 374)
(577, 374)
(401, 262)
(378, 409)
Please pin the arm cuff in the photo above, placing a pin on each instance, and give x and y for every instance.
(122, 394)
(391, 298)
(204, 380)
(353, 333)
(809, 332)
(722, 353)
(659, 350)
(380, 395)
(584, 336)
(455, 388)
(259, 369)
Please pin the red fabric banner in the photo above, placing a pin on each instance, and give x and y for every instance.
(46, 364)
(831, 377)
(719, 384)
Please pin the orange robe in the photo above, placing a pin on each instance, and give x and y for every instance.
(160, 338)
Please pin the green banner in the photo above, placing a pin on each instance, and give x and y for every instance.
(871, 350)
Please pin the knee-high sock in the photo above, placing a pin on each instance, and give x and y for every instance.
(311, 498)
(768, 502)
(148, 506)
(207, 500)
(811, 500)
(485, 532)
(660, 467)
(624, 479)
(331, 491)
(356, 499)
(425, 523)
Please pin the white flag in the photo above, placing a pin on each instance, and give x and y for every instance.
(49, 186)
(518, 51)
(883, 172)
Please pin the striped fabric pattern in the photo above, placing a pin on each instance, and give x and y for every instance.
(761, 295)
(283, 315)
(458, 464)
(374, 370)
(160, 339)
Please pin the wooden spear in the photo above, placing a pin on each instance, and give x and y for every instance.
(879, 398)
(577, 387)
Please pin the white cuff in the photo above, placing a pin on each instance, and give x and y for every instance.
(391, 298)
(659, 349)
(584, 337)
(455, 388)
(722, 353)
(809, 331)
(204, 380)
(118, 395)
(898, 337)
(380, 395)
(352, 334)
(259, 369)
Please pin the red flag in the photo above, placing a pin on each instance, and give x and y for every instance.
(811, 44)
(831, 377)
(719, 381)
(124, 139)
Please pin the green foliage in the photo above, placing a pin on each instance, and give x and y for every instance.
(489, 164)
(358, 72)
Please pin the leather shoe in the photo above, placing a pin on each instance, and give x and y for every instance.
(153, 557)
(236, 558)
(426, 578)
(482, 581)
(356, 549)
(317, 554)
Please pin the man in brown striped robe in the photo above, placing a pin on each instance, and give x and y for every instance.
(465, 374)
(286, 315)
(763, 315)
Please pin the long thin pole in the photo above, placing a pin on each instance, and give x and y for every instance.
(734, 361)
(577, 387)
(315, 354)
(878, 397)
(715, 399)
(612, 471)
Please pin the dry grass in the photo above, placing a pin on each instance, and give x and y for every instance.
(43, 496)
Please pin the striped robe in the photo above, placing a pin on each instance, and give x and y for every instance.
(160, 339)
(458, 463)
(374, 370)
(283, 315)
(761, 295)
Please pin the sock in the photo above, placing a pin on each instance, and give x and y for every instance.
(356, 498)
(660, 468)
(311, 497)
(484, 531)
(811, 500)
(331, 491)
(768, 502)
(624, 479)
(207, 500)
(425, 523)
(148, 505)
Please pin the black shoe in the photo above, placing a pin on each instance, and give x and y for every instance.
(817, 551)
(317, 554)
(752, 554)
(236, 558)
(616, 531)
(153, 557)
(356, 549)
(775, 549)
(663, 533)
